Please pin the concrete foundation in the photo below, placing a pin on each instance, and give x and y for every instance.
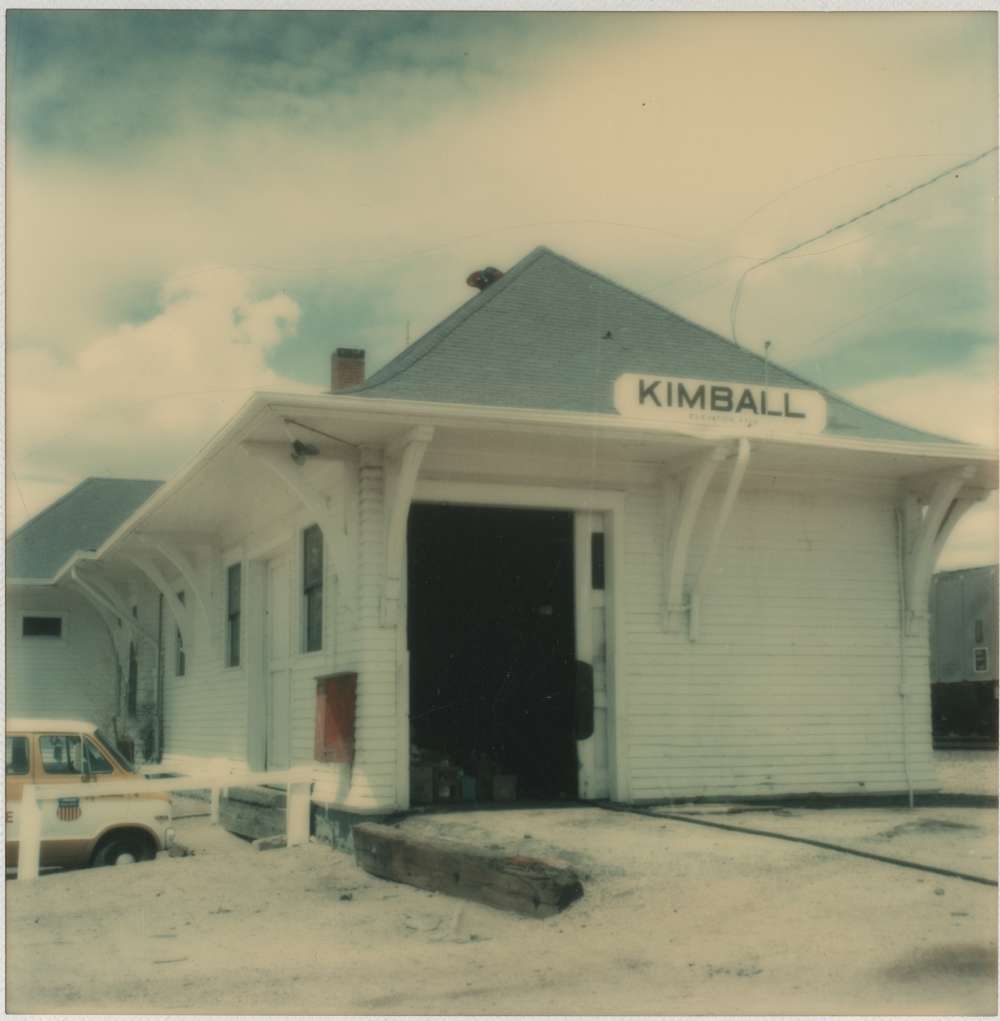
(336, 825)
(253, 812)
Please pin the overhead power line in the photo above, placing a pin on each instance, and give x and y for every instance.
(734, 306)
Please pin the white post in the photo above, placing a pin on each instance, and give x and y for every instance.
(30, 835)
(216, 799)
(298, 804)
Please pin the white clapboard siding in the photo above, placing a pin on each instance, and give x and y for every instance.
(373, 778)
(793, 684)
(206, 711)
(73, 677)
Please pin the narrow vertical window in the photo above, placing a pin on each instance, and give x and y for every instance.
(597, 560)
(180, 660)
(312, 587)
(234, 579)
(979, 631)
(132, 685)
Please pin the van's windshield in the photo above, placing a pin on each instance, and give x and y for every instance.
(114, 752)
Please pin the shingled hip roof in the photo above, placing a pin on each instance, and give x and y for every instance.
(553, 335)
(79, 521)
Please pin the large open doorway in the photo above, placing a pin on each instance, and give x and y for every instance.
(491, 635)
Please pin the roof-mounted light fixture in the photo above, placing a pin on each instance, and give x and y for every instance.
(301, 451)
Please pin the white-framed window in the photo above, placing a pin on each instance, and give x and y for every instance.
(981, 659)
(44, 626)
(180, 658)
(234, 600)
(312, 589)
(132, 681)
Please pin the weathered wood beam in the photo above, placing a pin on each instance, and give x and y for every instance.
(401, 483)
(718, 527)
(509, 882)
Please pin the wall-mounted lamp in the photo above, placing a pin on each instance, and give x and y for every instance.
(301, 451)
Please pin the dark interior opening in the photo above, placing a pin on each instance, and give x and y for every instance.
(492, 653)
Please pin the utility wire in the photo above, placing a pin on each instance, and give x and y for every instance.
(792, 838)
(733, 308)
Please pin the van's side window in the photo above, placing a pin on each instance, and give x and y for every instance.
(18, 763)
(60, 753)
(96, 762)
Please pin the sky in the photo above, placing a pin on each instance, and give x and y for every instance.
(201, 204)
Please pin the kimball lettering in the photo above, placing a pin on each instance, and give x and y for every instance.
(714, 397)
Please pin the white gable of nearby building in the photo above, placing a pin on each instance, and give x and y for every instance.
(65, 658)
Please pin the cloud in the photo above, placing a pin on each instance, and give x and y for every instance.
(362, 165)
(139, 399)
(959, 402)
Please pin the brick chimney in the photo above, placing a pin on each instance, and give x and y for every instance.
(347, 368)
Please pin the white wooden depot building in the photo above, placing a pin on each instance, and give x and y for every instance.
(567, 536)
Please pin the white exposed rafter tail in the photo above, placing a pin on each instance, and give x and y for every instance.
(678, 538)
(180, 613)
(406, 455)
(718, 528)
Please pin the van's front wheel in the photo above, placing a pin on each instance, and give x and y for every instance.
(122, 849)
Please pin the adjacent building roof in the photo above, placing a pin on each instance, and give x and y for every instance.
(554, 335)
(79, 521)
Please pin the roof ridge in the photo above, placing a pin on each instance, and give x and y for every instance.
(812, 384)
(475, 304)
(677, 315)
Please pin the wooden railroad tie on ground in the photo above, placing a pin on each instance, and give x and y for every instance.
(511, 882)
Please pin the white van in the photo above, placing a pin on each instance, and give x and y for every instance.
(114, 830)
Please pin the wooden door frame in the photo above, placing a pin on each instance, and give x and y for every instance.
(611, 504)
(257, 662)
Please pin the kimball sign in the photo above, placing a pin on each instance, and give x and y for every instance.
(693, 402)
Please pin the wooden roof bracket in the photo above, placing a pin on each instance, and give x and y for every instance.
(402, 466)
(926, 527)
(110, 606)
(276, 457)
(718, 527)
(180, 613)
(182, 563)
(679, 526)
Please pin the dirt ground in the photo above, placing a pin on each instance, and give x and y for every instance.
(676, 919)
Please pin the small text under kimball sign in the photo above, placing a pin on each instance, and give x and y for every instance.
(673, 400)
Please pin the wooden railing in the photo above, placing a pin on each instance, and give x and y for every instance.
(297, 781)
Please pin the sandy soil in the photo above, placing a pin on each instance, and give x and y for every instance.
(967, 772)
(676, 919)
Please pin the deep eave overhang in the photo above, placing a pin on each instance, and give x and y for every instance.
(409, 413)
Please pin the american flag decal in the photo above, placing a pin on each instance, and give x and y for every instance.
(68, 809)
